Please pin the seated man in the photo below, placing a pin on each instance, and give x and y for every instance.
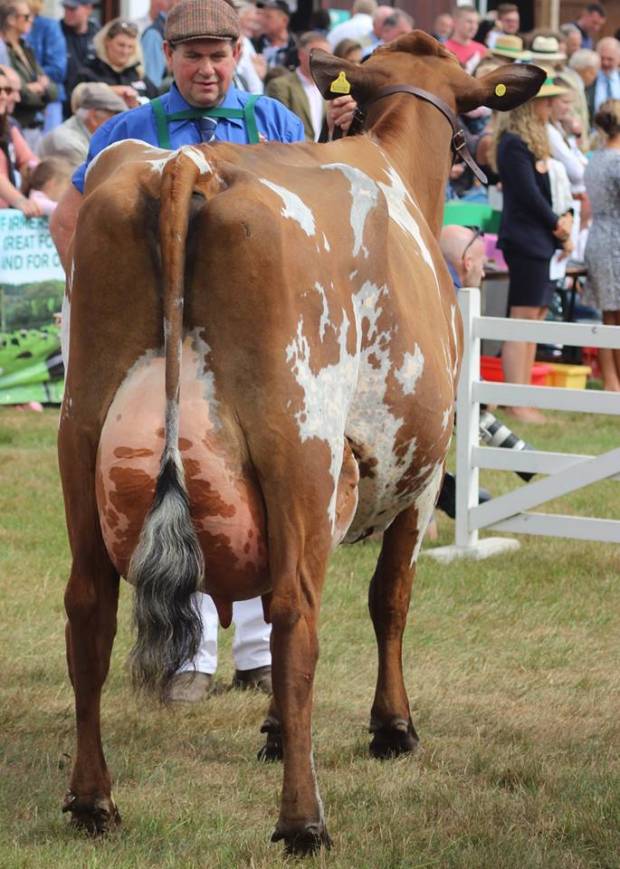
(92, 104)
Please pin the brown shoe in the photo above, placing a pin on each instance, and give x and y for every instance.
(189, 687)
(259, 679)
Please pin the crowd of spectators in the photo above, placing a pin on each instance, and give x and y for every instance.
(60, 80)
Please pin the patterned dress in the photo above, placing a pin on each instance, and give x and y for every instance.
(602, 255)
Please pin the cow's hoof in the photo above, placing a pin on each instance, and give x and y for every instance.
(398, 737)
(305, 842)
(272, 749)
(94, 816)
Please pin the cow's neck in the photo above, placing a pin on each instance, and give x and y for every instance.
(417, 139)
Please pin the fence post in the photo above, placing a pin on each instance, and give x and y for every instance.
(468, 420)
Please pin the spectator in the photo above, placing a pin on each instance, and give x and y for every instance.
(463, 249)
(563, 147)
(395, 25)
(508, 22)
(530, 229)
(509, 48)
(47, 183)
(251, 67)
(79, 32)
(572, 39)
(119, 63)
(15, 155)
(547, 52)
(358, 26)
(36, 88)
(276, 43)
(152, 41)
(349, 49)
(92, 104)
(381, 15)
(582, 70)
(297, 90)
(590, 22)
(462, 43)
(443, 27)
(607, 84)
(50, 49)
(602, 254)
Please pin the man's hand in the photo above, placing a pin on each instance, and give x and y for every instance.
(564, 227)
(340, 113)
(127, 93)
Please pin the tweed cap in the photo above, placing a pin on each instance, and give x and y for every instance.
(201, 19)
(96, 95)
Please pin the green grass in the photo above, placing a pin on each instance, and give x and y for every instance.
(512, 667)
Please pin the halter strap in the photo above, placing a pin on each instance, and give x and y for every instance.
(459, 145)
(163, 120)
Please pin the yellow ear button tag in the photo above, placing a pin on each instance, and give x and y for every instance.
(500, 90)
(340, 85)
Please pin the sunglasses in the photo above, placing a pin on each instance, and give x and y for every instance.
(6, 90)
(477, 233)
(27, 16)
(127, 27)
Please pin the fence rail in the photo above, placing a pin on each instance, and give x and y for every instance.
(564, 472)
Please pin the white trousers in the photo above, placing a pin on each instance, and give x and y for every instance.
(250, 645)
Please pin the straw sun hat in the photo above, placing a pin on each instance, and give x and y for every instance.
(510, 47)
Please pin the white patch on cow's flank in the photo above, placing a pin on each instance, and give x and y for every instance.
(364, 197)
(425, 504)
(326, 243)
(294, 207)
(206, 378)
(446, 418)
(370, 419)
(327, 395)
(324, 322)
(398, 198)
(411, 370)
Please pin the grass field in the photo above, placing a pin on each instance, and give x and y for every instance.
(512, 667)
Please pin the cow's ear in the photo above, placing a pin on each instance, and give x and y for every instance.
(336, 77)
(504, 88)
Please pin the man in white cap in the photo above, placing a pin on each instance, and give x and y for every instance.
(202, 48)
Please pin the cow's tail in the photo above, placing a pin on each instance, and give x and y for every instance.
(167, 565)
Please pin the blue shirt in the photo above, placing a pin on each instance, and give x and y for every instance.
(607, 88)
(274, 121)
(154, 57)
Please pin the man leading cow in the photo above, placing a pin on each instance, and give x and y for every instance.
(202, 48)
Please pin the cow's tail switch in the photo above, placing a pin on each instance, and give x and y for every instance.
(167, 565)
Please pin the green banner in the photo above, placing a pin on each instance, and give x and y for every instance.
(31, 293)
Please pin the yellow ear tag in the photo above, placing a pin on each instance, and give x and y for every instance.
(340, 85)
(500, 90)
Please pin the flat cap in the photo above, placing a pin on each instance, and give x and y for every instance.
(97, 95)
(201, 19)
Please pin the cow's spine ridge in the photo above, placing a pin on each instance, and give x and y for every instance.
(167, 565)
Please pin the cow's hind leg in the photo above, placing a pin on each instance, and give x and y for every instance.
(91, 600)
(298, 572)
(388, 601)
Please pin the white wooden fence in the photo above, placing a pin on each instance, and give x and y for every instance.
(564, 472)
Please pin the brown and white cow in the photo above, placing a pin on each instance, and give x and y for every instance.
(264, 350)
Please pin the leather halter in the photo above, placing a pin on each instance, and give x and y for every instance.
(459, 145)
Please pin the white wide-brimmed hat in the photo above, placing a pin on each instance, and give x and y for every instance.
(546, 48)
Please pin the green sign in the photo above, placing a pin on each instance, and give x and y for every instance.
(31, 292)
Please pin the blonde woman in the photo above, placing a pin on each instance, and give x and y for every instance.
(602, 253)
(530, 230)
